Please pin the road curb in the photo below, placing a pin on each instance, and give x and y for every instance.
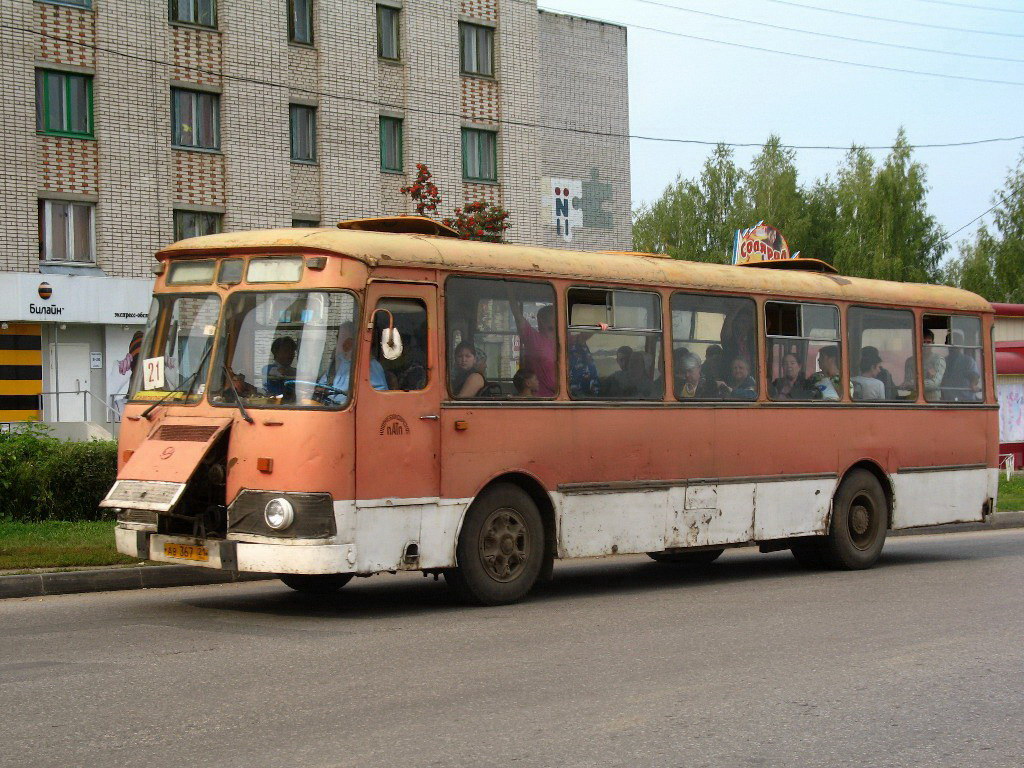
(113, 579)
(148, 577)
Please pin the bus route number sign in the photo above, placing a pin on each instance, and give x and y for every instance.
(153, 373)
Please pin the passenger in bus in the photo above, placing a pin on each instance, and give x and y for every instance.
(792, 384)
(975, 395)
(739, 385)
(713, 361)
(866, 384)
(525, 382)
(934, 368)
(825, 381)
(275, 375)
(538, 344)
(467, 381)
(883, 375)
(583, 377)
(738, 335)
(956, 383)
(688, 379)
(617, 384)
(240, 386)
(339, 374)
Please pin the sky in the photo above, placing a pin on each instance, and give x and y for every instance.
(686, 88)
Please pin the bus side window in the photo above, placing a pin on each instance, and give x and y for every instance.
(501, 340)
(883, 361)
(714, 347)
(804, 351)
(614, 345)
(408, 371)
(952, 361)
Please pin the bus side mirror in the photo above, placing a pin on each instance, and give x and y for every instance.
(390, 344)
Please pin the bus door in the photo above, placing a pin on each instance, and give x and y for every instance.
(398, 398)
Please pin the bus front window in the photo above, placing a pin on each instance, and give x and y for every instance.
(176, 348)
(281, 349)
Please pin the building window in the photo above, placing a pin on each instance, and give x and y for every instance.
(305, 223)
(476, 49)
(387, 33)
(300, 21)
(63, 103)
(479, 155)
(195, 224)
(196, 119)
(303, 132)
(73, 3)
(202, 13)
(391, 144)
(66, 231)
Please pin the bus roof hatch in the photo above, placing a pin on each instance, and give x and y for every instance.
(799, 264)
(406, 225)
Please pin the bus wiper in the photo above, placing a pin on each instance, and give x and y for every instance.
(191, 383)
(238, 397)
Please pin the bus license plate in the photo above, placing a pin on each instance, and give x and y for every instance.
(186, 551)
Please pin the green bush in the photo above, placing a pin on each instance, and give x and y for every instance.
(43, 478)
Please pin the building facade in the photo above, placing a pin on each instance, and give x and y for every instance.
(133, 123)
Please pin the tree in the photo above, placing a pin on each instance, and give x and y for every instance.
(993, 264)
(774, 195)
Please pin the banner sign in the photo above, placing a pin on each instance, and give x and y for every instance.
(760, 243)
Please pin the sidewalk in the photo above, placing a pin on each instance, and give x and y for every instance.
(150, 576)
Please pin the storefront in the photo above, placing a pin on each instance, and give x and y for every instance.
(66, 346)
(1009, 339)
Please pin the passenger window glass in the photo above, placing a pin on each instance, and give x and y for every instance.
(951, 359)
(402, 368)
(501, 339)
(230, 272)
(804, 353)
(614, 345)
(191, 272)
(883, 364)
(714, 348)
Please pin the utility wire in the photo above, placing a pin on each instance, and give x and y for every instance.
(893, 21)
(501, 121)
(981, 215)
(795, 55)
(830, 36)
(969, 7)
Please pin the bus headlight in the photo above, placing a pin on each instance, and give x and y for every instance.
(279, 514)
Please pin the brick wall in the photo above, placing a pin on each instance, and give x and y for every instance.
(137, 179)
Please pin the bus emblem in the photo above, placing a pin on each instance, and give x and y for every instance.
(394, 425)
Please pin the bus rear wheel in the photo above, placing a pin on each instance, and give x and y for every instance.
(501, 548)
(695, 559)
(860, 519)
(320, 584)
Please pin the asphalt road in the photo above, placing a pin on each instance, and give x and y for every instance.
(919, 662)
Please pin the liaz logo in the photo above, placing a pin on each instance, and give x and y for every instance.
(394, 425)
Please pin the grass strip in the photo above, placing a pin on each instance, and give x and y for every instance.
(58, 544)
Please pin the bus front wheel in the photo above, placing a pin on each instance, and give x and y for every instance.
(501, 548)
(322, 584)
(860, 519)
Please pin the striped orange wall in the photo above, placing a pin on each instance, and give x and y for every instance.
(21, 371)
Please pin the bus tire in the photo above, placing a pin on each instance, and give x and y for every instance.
(698, 559)
(321, 584)
(500, 551)
(860, 519)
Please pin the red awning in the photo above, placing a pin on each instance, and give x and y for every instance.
(1010, 358)
(1008, 310)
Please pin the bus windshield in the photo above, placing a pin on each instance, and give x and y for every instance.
(285, 349)
(176, 348)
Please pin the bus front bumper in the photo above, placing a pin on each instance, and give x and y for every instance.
(314, 557)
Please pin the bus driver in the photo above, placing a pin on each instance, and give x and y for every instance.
(342, 366)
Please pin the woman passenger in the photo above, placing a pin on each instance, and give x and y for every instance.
(467, 381)
(740, 385)
(689, 382)
(792, 384)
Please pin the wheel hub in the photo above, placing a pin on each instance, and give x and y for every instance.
(504, 545)
(859, 520)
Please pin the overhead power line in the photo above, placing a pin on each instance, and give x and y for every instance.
(501, 121)
(830, 36)
(888, 20)
(969, 7)
(982, 215)
(807, 56)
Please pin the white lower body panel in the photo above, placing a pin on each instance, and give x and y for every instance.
(934, 497)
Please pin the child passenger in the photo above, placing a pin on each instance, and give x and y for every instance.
(526, 382)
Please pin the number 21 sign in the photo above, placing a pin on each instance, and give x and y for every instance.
(153, 373)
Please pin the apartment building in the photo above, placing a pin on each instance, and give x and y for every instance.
(132, 123)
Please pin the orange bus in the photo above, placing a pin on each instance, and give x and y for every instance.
(323, 403)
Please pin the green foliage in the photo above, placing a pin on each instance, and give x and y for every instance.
(993, 264)
(58, 544)
(43, 478)
(870, 221)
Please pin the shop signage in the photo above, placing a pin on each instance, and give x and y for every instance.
(761, 242)
(74, 299)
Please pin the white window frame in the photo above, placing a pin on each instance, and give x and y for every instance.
(69, 234)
